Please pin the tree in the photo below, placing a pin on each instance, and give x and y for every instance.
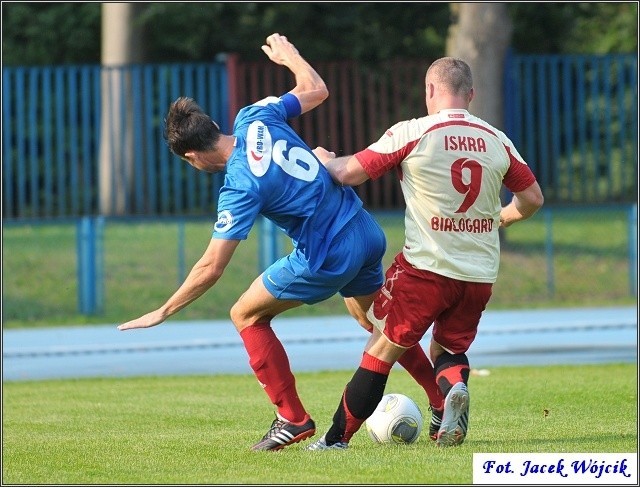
(42, 33)
(575, 27)
(36, 33)
(121, 45)
(480, 35)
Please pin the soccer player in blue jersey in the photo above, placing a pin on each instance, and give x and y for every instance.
(338, 246)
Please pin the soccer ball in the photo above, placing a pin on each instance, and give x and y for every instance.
(396, 419)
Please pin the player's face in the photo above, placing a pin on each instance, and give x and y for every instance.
(192, 161)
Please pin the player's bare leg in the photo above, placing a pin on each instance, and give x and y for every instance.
(252, 316)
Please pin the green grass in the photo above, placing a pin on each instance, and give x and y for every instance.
(590, 267)
(198, 430)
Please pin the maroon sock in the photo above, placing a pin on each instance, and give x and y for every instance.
(416, 363)
(270, 364)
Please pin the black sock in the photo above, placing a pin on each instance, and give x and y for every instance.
(362, 395)
(451, 369)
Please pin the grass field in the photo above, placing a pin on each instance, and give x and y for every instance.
(590, 267)
(198, 430)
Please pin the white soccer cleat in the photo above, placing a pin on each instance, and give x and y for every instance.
(321, 445)
(455, 419)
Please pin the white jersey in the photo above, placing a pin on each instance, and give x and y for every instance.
(451, 166)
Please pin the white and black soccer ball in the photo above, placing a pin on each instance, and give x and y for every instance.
(397, 419)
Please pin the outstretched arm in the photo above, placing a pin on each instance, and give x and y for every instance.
(310, 88)
(204, 274)
(523, 205)
(345, 170)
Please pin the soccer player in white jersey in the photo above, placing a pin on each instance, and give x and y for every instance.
(337, 246)
(451, 167)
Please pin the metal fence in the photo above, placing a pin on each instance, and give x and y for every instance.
(54, 130)
(575, 121)
(101, 265)
(87, 140)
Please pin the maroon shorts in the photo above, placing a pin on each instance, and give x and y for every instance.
(411, 300)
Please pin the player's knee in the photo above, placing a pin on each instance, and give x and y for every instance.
(435, 350)
(364, 323)
(358, 310)
(238, 317)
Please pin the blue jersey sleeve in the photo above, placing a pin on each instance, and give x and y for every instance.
(237, 211)
(291, 105)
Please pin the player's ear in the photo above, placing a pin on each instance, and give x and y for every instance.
(431, 90)
(189, 157)
(471, 94)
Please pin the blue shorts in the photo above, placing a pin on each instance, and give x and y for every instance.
(353, 266)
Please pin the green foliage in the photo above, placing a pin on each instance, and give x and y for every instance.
(366, 32)
(59, 33)
(604, 28)
(42, 33)
(575, 28)
(198, 430)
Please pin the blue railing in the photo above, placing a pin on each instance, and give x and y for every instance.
(575, 121)
(573, 118)
(54, 130)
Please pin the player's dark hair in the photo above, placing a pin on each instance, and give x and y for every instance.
(189, 128)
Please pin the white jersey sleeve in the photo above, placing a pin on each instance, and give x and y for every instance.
(451, 166)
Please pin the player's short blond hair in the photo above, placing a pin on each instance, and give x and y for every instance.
(453, 74)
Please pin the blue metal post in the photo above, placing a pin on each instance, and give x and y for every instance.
(270, 249)
(99, 263)
(181, 251)
(548, 218)
(633, 249)
(89, 235)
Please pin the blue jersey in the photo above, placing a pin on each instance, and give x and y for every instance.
(273, 173)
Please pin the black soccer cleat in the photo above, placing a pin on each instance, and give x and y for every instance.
(283, 433)
(435, 423)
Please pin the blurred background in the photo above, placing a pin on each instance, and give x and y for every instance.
(101, 223)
